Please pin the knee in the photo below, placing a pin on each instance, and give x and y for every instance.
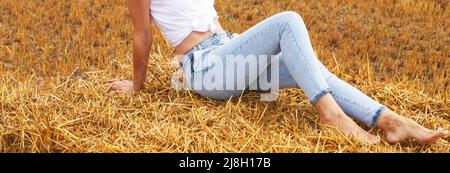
(291, 16)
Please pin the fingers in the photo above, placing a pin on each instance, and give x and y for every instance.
(113, 86)
(118, 91)
(123, 91)
(108, 87)
(119, 87)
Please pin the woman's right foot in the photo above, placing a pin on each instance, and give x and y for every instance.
(399, 128)
(348, 127)
(332, 115)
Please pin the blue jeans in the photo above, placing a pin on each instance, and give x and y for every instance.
(285, 36)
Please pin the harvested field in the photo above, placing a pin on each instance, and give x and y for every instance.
(56, 56)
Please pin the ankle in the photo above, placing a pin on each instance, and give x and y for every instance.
(329, 110)
(330, 116)
(389, 121)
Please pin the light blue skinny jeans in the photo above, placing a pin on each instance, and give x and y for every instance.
(286, 36)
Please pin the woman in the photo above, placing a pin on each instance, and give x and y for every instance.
(192, 27)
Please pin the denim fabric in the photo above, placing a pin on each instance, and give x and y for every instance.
(285, 36)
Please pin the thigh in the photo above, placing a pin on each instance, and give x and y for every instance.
(262, 40)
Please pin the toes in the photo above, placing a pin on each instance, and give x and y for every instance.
(374, 140)
(378, 139)
(393, 138)
(393, 141)
(368, 138)
(434, 136)
(440, 133)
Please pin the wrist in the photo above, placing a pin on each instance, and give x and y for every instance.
(137, 87)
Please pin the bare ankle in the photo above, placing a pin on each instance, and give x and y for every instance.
(389, 121)
(331, 117)
(328, 109)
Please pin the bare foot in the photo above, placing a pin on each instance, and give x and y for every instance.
(399, 128)
(331, 114)
(347, 126)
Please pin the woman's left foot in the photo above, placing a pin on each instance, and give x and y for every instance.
(399, 128)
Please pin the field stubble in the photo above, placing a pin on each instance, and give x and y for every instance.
(55, 57)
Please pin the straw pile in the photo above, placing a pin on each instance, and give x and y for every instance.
(55, 57)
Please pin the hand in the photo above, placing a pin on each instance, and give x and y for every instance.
(121, 87)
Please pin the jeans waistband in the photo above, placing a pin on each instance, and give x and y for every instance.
(206, 43)
(210, 41)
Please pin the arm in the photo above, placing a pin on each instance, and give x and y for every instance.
(142, 40)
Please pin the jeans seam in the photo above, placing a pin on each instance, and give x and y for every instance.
(299, 44)
(300, 52)
(346, 99)
(349, 100)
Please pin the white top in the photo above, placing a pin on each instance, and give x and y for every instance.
(178, 18)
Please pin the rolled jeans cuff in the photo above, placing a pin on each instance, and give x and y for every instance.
(374, 122)
(316, 97)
